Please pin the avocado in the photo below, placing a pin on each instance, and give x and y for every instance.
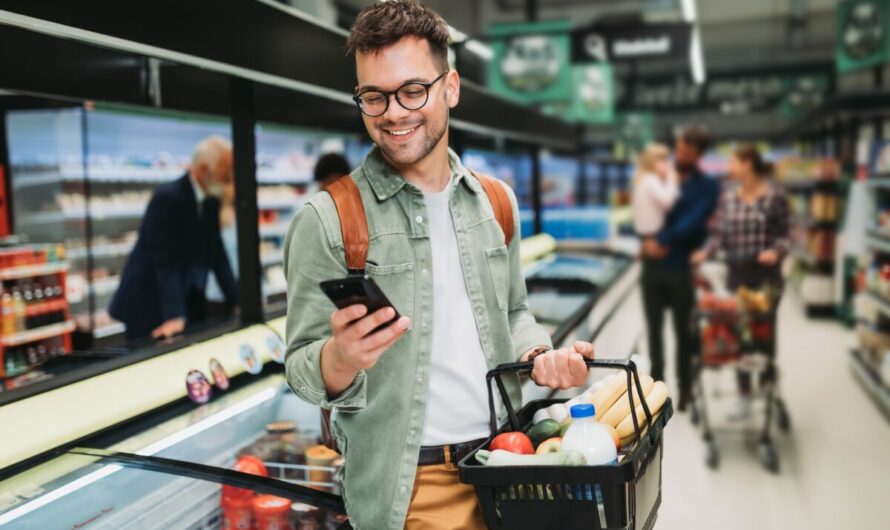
(543, 430)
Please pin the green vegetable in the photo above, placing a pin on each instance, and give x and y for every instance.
(500, 457)
(543, 430)
(564, 428)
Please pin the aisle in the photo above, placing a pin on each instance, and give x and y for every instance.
(835, 463)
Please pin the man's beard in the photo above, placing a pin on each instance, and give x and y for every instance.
(407, 157)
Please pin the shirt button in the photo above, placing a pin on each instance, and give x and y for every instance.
(419, 218)
(419, 378)
(303, 389)
(404, 489)
(425, 272)
(347, 403)
(412, 433)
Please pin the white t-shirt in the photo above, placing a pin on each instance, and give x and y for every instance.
(652, 199)
(457, 400)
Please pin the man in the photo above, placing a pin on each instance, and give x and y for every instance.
(163, 284)
(667, 280)
(410, 400)
(329, 168)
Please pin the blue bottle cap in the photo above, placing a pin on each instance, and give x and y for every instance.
(585, 410)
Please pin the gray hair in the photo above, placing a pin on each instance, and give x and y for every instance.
(209, 150)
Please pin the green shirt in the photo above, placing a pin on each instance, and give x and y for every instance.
(379, 419)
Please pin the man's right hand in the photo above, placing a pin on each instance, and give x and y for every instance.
(652, 249)
(352, 347)
(174, 326)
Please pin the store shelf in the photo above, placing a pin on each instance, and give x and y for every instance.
(807, 186)
(108, 330)
(806, 221)
(274, 291)
(815, 265)
(99, 213)
(878, 240)
(108, 250)
(272, 176)
(34, 335)
(275, 229)
(870, 381)
(274, 258)
(878, 181)
(105, 286)
(31, 271)
(285, 203)
(882, 303)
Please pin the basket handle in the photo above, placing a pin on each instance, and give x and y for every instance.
(616, 364)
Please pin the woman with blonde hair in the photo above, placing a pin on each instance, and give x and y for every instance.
(655, 189)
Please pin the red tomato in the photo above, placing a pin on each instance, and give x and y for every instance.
(515, 442)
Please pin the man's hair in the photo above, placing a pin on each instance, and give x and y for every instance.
(331, 164)
(209, 151)
(696, 136)
(385, 23)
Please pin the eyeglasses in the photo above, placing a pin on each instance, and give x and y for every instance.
(411, 96)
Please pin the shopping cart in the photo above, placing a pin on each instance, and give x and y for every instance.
(737, 332)
(626, 495)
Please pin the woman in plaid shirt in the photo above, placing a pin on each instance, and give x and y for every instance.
(751, 233)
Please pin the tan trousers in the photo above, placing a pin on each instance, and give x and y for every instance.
(440, 502)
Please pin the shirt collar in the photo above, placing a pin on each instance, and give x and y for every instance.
(386, 182)
(199, 193)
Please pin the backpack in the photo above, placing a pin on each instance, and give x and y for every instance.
(354, 228)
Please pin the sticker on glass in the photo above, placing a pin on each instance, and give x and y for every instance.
(198, 387)
(220, 377)
(250, 360)
(276, 348)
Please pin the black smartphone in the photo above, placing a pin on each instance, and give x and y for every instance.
(358, 290)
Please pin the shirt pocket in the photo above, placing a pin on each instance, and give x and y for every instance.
(397, 283)
(499, 268)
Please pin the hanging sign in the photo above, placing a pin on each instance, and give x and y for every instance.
(862, 37)
(531, 62)
(630, 43)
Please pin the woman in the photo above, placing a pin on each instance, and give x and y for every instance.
(750, 232)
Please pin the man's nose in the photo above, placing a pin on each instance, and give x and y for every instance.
(395, 111)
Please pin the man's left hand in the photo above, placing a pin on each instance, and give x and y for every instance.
(563, 368)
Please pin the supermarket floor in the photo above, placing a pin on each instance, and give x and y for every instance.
(835, 462)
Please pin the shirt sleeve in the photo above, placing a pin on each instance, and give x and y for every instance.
(526, 332)
(689, 224)
(780, 226)
(308, 260)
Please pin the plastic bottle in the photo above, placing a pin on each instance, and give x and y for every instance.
(590, 438)
(18, 304)
(8, 311)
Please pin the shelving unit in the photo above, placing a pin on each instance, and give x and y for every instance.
(871, 381)
(35, 320)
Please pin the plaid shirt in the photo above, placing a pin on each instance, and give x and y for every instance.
(740, 231)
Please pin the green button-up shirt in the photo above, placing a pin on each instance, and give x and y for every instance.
(379, 419)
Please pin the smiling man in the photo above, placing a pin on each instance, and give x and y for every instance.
(410, 400)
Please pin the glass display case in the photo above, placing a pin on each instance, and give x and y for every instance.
(563, 215)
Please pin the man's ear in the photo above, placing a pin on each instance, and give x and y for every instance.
(452, 88)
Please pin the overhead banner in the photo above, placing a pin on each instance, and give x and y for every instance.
(755, 91)
(862, 40)
(631, 43)
(531, 61)
(802, 93)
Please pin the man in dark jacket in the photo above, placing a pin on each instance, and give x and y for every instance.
(667, 279)
(163, 283)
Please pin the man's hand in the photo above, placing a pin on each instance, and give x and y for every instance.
(563, 368)
(652, 249)
(768, 257)
(174, 326)
(352, 346)
(698, 257)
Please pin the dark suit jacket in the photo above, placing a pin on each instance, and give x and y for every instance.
(166, 274)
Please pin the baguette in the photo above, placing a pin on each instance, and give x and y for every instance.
(621, 408)
(606, 396)
(655, 398)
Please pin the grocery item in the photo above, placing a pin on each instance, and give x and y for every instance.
(245, 464)
(514, 442)
(613, 432)
(540, 415)
(272, 513)
(551, 445)
(655, 399)
(237, 512)
(558, 412)
(589, 437)
(543, 430)
(565, 427)
(606, 396)
(505, 458)
(320, 456)
(621, 408)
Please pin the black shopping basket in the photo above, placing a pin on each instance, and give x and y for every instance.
(618, 496)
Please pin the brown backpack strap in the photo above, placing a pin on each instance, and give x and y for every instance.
(353, 222)
(500, 203)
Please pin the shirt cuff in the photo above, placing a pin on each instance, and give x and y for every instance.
(304, 378)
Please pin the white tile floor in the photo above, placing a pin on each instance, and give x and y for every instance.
(835, 463)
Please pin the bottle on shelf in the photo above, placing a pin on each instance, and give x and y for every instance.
(18, 303)
(7, 310)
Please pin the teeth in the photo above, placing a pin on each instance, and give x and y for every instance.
(401, 133)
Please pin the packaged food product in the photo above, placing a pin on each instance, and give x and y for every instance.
(320, 456)
(237, 512)
(272, 513)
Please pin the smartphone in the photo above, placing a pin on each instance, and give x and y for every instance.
(358, 290)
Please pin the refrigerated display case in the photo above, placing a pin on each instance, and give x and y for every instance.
(513, 168)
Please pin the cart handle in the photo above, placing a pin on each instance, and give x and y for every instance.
(617, 364)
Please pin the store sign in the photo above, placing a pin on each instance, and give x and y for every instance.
(593, 95)
(531, 62)
(862, 37)
(756, 91)
(623, 43)
(636, 129)
(801, 94)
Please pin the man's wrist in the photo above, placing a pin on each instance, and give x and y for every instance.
(530, 355)
(337, 376)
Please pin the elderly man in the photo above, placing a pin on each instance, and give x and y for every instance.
(163, 284)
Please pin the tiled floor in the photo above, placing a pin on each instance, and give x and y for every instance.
(835, 463)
